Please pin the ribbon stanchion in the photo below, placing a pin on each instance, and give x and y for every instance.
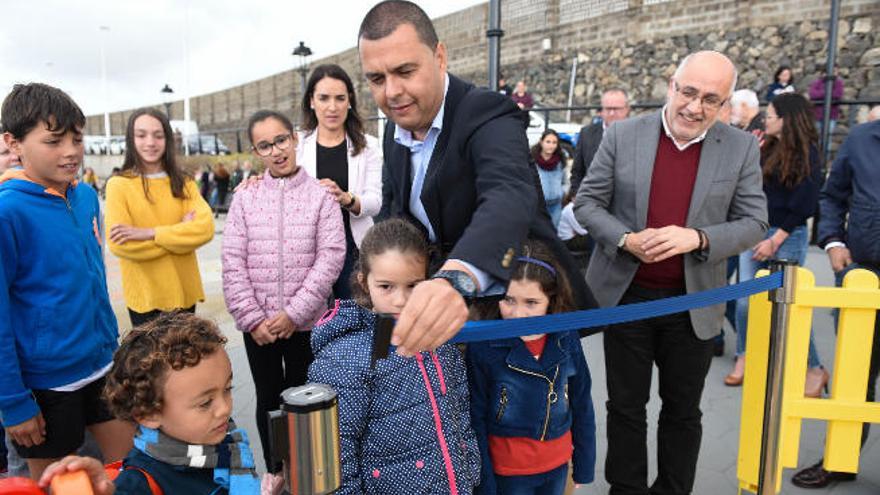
(475, 331)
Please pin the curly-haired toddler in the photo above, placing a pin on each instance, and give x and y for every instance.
(173, 378)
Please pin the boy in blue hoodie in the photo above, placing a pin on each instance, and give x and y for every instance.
(57, 329)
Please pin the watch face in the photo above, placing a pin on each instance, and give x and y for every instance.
(460, 281)
(467, 283)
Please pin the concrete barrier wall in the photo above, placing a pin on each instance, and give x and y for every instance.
(633, 43)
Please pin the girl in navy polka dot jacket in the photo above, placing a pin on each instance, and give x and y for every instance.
(405, 424)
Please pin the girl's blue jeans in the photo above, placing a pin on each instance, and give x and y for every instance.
(794, 248)
(549, 483)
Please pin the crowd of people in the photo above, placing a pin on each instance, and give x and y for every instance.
(452, 217)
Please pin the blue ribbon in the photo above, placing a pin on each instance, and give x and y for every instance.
(475, 331)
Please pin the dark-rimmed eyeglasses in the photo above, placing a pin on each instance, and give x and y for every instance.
(282, 142)
(689, 94)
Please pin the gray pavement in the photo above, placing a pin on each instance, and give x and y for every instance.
(716, 471)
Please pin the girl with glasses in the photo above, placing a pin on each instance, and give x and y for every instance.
(283, 247)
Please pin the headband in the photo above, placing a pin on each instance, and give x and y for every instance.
(543, 264)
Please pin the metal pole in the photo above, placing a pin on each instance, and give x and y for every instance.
(829, 79)
(571, 81)
(782, 300)
(187, 115)
(494, 33)
(104, 30)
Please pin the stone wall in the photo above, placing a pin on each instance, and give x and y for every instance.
(634, 44)
(753, 34)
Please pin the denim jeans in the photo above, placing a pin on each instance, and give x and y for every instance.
(730, 306)
(2, 447)
(549, 483)
(554, 208)
(831, 125)
(794, 248)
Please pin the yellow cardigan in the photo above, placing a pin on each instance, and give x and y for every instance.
(162, 273)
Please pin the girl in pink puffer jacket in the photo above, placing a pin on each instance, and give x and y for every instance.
(283, 247)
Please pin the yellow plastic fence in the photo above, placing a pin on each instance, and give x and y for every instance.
(846, 409)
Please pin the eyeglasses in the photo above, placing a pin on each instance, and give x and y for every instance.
(282, 142)
(689, 93)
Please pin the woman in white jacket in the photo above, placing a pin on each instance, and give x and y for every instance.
(348, 163)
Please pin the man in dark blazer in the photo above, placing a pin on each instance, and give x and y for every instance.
(615, 106)
(850, 234)
(456, 163)
(668, 198)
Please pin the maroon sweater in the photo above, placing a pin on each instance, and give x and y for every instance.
(672, 185)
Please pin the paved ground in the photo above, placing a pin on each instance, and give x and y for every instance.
(721, 405)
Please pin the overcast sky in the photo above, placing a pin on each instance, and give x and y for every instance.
(230, 42)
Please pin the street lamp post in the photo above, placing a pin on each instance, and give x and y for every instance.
(303, 52)
(104, 30)
(167, 93)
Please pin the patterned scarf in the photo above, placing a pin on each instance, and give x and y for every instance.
(549, 164)
(231, 459)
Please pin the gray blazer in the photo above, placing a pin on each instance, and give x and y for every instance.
(728, 204)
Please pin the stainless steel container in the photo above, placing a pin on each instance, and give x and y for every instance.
(305, 437)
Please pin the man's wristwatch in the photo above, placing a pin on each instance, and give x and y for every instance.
(622, 242)
(460, 281)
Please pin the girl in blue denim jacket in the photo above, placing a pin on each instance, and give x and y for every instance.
(404, 425)
(530, 396)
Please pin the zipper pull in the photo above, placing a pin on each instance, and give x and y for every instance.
(503, 404)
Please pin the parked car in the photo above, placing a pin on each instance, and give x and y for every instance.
(209, 145)
(568, 132)
(117, 145)
(95, 145)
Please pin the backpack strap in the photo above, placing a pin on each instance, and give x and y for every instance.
(155, 489)
(114, 469)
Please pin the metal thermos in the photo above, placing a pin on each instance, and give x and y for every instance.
(304, 436)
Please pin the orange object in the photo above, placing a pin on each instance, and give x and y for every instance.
(73, 483)
(115, 468)
(112, 470)
(19, 486)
